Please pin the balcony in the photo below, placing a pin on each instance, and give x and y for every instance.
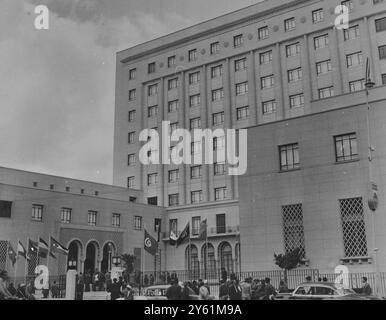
(214, 232)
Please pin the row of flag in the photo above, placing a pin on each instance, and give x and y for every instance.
(185, 234)
(41, 248)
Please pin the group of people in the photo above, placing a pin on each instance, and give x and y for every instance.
(9, 292)
(185, 290)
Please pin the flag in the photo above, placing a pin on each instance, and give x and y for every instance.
(11, 254)
(172, 238)
(57, 247)
(150, 244)
(43, 248)
(203, 233)
(184, 235)
(21, 251)
(33, 247)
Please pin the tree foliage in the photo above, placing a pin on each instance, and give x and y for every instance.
(289, 260)
(128, 262)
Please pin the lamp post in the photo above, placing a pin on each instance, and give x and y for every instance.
(71, 265)
(373, 198)
(116, 260)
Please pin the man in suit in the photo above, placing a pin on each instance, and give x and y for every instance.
(366, 289)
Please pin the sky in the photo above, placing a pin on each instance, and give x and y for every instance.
(57, 85)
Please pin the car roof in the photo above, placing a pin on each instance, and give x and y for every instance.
(328, 284)
(160, 286)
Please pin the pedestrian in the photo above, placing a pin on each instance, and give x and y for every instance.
(174, 291)
(283, 288)
(203, 293)
(260, 290)
(206, 285)
(185, 293)
(308, 279)
(246, 289)
(168, 278)
(319, 279)
(223, 290)
(128, 293)
(95, 280)
(87, 281)
(325, 279)
(366, 289)
(151, 280)
(270, 291)
(55, 290)
(4, 293)
(234, 289)
(30, 290)
(146, 280)
(195, 287)
(79, 289)
(224, 274)
(115, 290)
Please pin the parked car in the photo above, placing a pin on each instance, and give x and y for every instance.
(158, 292)
(326, 291)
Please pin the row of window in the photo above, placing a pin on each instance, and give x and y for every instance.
(345, 150)
(67, 188)
(263, 33)
(196, 221)
(66, 217)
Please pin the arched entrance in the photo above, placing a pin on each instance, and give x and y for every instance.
(225, 255)
(191, 262)
(108, 253)
(74, 253)
(208, 261)
(90, 264)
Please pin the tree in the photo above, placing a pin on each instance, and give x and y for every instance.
(288, 261)
(128, 263)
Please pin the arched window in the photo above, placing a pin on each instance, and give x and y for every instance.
(109, 251)
(191, 262)
(208, 262)
(225, 255)
(74, 253)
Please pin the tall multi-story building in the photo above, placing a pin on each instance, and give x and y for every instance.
(268, 62)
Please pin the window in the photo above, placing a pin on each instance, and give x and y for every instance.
(326, 92)
(269, 107)
(218, 118)
(131, 182)
(219, 169)
(171, 61)
(132, 74)
(351, 33)
(346, 147)
(196, 225)
(137, 223)
(116, 220)
(131, 159)
(152, 111)
(323, 67)
(82, 191)
(293, 229)
(241, 88)
(354, 59)
(267, 81)
(37, 212)
(192, 55)
(153, 201)
(378, 1)
(152, 179)
(173, 199)
(52, 187)
(297, 101)
(173, 226)
(132, 199)
(380, 24)
(292, 49)
(382, 52)
(131, 137)
(357, 85)
(321, 41)
(263, 33)
(384, 78)
(172, 84)
(5, 209)
(196, 196)
(151, 67)
(132, 115)
(218, 143)
(157, 225)
(194, 100)
(216, 71)
(194, 77)
(173, 176)
(238, 41)
(195, 172)
(265, 57)
(214, 47)
(195, 147)
(220, 193)
(67, 189)
(289, 24)
(92, 218)
(172, 106)
(132, 94)
(240, 64)
(217, 94)
(317, 16)
(353, 227)
(173, 127)
(220, 223)
(289, 157)
(349, 4)
(195, 123)
(152, 90)
(242, 113)
(295, 75)
(65, 215)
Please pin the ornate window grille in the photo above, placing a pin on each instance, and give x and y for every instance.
(293, 228)
(3, 254)
(353, 227)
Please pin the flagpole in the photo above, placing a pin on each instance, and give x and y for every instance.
(190, 253)
(48, 254)
(143, 258)
(207, 250)
(17, 256)
(26, 264)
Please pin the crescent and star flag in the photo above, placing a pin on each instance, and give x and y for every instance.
(44, 249)
(32, 247)
(11, 254)
(21, 251)
(172, 238)
(150, 244)
(57, 247)
(203, 230)
(184, 235)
